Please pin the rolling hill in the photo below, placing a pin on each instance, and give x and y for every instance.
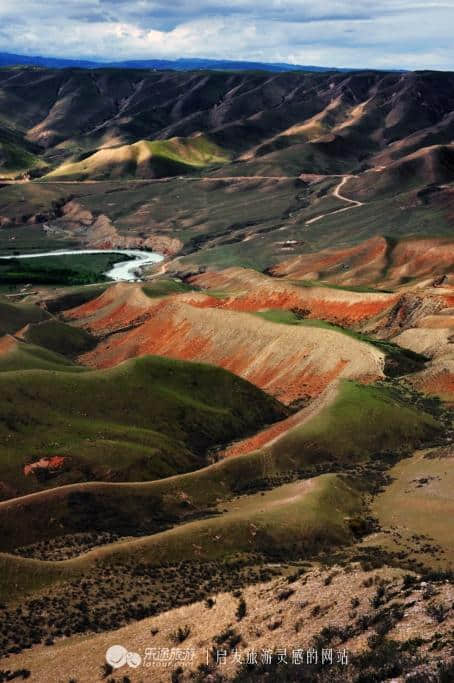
(145, 159)
(149, 418)
(14, 316)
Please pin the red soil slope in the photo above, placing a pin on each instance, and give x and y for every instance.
(289, 362)
(248, 290)
(420, 258)
(361, 263)
(373, 261)
(50, 465)
(7, 343)
(272, 433)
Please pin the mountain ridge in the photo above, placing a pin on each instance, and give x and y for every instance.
(269, 124)
(179, 64)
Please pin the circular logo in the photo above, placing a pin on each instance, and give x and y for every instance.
(116, 656)
(134, 659)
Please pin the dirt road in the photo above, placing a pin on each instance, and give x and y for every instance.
(352, 203)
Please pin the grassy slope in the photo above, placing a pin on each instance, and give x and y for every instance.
(16, 153)
(15, 316)
(63, 339)
(162, 287)
(20, 575)
(147, 418)
(146, 159)
(342, 229)
(419, 502)
(362, 421)
(64, 299)
(299, 518)
(15, 159)
(30, 357)
(29, 199)
(224, 212)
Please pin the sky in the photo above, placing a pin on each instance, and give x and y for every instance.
(408, 34)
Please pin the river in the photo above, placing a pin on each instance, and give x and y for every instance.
(128, 271)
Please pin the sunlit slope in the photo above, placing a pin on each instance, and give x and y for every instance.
(363, 420)
(289, 363)
(145, 159)
(299, 121)
(428, 166)
(380, 261)
(417, 505)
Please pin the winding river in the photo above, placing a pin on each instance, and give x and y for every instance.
(123, 271)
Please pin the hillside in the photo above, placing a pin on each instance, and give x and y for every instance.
(304, 450)
(148, 418)
(313, 608)
(145, 159)
(15, 316)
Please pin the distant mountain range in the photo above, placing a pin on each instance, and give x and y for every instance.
(9, 59)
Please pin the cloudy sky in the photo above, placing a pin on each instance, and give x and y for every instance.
(353, 33)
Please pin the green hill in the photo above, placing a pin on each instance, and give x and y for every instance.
(60, 338)
(22, 356)
(144, 419)
(297, 519)
(17, 154)
(15, 316)
(145, 159)
(352, 432)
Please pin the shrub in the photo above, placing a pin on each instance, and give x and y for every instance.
(437, 612)
(378, 598)
(181, 634)
(241, 610)
(408, 581)
(106, 670)
(176, 675)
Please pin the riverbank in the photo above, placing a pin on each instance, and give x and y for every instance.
(128, 267)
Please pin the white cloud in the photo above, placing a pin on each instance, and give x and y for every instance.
(361, 33)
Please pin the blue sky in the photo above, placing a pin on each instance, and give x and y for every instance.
(355, 33)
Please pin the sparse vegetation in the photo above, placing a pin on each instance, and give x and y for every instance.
(241, 610)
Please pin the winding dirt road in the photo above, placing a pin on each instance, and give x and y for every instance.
(352, 203)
